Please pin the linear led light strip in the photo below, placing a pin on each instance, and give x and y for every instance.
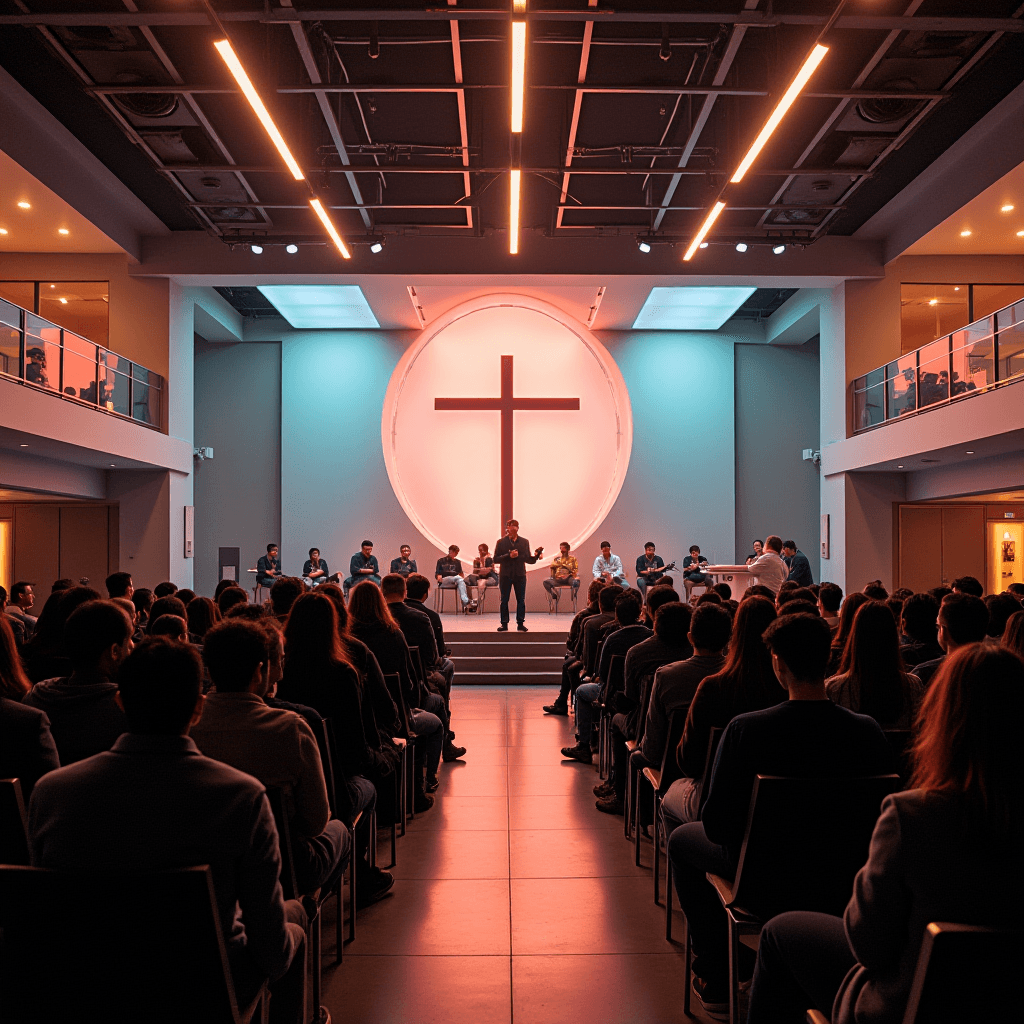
(816, 56)
(230, 58)
(518, 82)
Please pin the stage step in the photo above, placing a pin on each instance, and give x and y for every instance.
(512, 658)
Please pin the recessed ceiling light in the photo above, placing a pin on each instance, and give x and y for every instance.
(63, 231)
(970, 453)
(24, 206)
(1006, 209)
(321, 306)
(689, 308)
(256, 249)
(965, 234)
(53, 286)
(1020, 234)
(957, 288)
(741, 246)
(24, 446)
(113, 465)
(3, 231)
(293, 249)
(778, 249)
(933, 302)
(63, 301)
(899, 467)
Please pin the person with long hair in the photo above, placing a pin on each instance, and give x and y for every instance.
(27, 750)
(837, 656)
(745, 683)
(1013, 635)
(203, 614)
(372, 623)
(44, 655)
(946, 849)
(875, 683)
(318, 673)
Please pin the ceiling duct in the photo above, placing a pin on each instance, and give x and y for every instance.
(96, 37)
(876, 110)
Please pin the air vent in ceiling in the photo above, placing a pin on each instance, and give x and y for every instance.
(876, 110)
(96, 37)
(148, 104)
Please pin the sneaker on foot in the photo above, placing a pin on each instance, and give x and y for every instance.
(603, 789)
(522, 628)
(579, 753)
(453, 753)
(422, 803)
(714, 998)
(556, 709)
(611, 805)
(503, 629)
(373, 885)
(432, 785)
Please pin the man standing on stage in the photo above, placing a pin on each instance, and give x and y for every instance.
(512, 553)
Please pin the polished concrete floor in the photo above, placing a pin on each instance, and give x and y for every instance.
(516, 900)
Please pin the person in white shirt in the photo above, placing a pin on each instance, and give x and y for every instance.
(769, 569)
(608, 567)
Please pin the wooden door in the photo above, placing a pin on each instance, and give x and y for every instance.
(37, 548)
(83, 544)
(963, 542)
(921, 534)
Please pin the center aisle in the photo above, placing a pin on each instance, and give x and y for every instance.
(516, 900)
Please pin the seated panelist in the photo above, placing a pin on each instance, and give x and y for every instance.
(693, 576)
(268, 567)
(362, 566)
(315, 571)
(650, 568)
(565, 571)
(405, 564)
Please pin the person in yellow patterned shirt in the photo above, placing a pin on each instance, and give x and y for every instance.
(564, 572)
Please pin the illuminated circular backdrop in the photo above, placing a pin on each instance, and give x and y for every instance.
(567, 416)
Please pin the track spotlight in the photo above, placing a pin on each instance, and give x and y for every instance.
(258, 249)
(665, 53)
(778, 249)
(703, 245)
(377, 247)
(293, 249)
(644, 247)
(741, 246)
(373, 51)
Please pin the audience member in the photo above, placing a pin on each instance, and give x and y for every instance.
(1000, 608)
(250, 613)
(895, 607)
(723, 590)
(968, 585)
(222, 586)
(1017, 589)
(876, 591)
(572, 664)
(940, 592)
(962, 619)
(830, 597)
(1013, 634)
(27, 750)
(169, 605)
(185, 596)
(174, 627)
(203, 615)
(275, 746)
(119, 584)
(284, 592)
(143, 599)
(371, 622)
(22, 598)
(166, 589)
(61, 584)
(154, 803)
(17, 627)
(417, 587)
(757, 590)
(943, 850)
(874, 682)
(708, 597)
(807, 736)
(128, 607)
(919, 628)
(799, 566)
(229, 597)
(45, 655)
(662, 593)
(902, 593)
(836, 658)
(745, 683)
(84, 714)
(794, 594)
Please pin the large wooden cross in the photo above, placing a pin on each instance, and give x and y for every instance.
(507, 404)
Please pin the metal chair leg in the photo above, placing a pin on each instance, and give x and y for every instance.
(657, 848)
(636, 821)
(688, 959)
(668, 905)
(734, 971)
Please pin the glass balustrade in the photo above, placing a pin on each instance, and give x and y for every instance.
(984, 355)
(39, 353)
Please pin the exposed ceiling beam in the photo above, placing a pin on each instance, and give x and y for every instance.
(460, 98)
(845, 172)
(747, 19)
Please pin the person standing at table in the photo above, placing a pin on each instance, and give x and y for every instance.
(769, 569)
(405, 564)
(512, 553)
(649, 569)
(268, 568)
(362, 566)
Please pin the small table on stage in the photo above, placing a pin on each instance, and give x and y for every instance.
(739, 577)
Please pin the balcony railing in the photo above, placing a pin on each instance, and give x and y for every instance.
(982, 356)
(45, 356)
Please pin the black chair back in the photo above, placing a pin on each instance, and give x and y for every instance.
(966, 973)
(900, 742)
(394, 684)
(13, 824)
(616, 681)
(323, 743)
(714, 739)
(805, 841)
(115, 948)
(417, 664)
(279, 805)
(670, 770)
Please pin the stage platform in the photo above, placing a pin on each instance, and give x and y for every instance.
(484, 656)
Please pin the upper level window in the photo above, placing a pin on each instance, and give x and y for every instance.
(931, 311)
(79, 306)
